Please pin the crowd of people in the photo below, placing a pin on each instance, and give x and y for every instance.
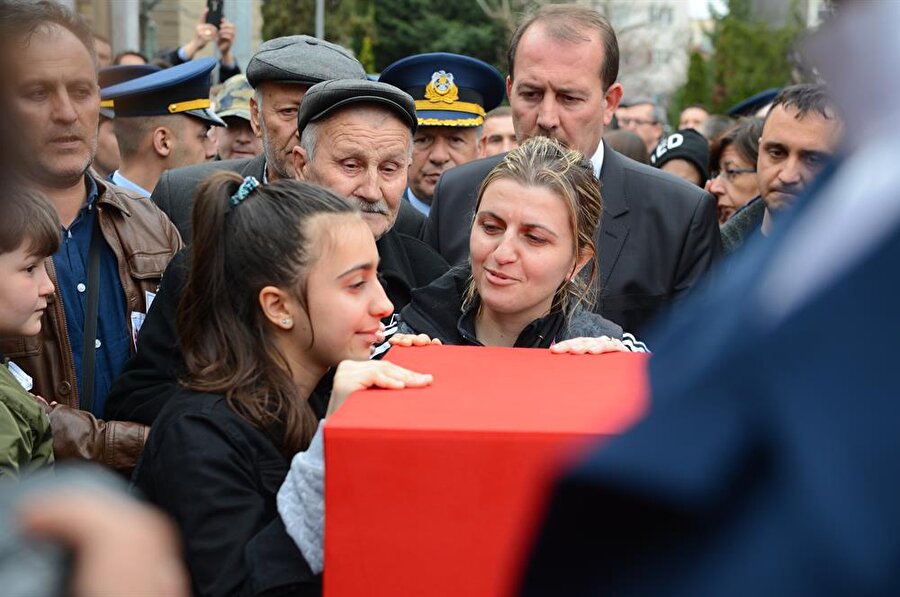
(201, 263)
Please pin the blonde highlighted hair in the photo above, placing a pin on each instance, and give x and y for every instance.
(545, 163)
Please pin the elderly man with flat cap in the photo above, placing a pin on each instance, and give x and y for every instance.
(281, 72)
(356, 139)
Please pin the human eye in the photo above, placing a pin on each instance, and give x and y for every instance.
(35, 93)
(421, 141)
(776, 152)
(82, 92)
(288, 112)
(351, 165)
(570, 100)
(535, 239)
(529, 94)
(390, 167)
(490, 227)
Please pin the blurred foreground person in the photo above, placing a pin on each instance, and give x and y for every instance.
(77, 533)
(764, 469)
(258, 335)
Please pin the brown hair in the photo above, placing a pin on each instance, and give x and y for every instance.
(544, 162)
(25, 17)
(743, 136)
(567, 22)
(237, 250)
(28, 217)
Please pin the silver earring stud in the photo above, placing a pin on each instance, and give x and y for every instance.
(286, 321)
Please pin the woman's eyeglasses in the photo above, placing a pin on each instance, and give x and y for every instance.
(731, 173)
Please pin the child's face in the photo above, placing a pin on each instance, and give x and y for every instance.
(23, 292)
(345, 298)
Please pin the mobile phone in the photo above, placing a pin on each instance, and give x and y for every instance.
(214, 12)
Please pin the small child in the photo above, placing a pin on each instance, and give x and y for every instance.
(29, 234)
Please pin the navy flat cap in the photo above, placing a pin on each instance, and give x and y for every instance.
(449, 89)
(182, 89)
(302, 59)
(325, 98)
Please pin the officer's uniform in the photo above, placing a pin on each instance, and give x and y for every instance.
(182, 89)
(449, 90)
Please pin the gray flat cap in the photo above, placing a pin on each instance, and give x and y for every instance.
(324, 98)
(302, 59)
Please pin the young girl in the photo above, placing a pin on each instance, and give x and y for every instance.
(29, 233)
(533, 235)
(282, 288)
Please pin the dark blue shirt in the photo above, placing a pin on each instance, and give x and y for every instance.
(71, 262)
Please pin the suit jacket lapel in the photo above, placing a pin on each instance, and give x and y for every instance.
(255, 167)
(614, 226)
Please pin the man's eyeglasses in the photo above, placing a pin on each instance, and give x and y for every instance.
(731, 173)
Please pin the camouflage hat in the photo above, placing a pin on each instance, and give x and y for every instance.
(233, 99)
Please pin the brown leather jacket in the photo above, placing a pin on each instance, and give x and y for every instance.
(143, 240)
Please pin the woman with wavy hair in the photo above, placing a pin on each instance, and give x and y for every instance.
(532, 264)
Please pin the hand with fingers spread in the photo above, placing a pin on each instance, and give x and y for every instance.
(352, 376)
(413, 340)
(588, 346)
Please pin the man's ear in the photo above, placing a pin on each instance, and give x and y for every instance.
(508, 87)
(299, 159)
(255, 117)
(163, 141)
(612, 98)
(277, 307)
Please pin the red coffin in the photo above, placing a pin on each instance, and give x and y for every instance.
(438, 491)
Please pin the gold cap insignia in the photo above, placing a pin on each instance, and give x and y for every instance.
(442, 88)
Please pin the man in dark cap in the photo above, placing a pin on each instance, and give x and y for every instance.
(452, 94)
(162, 122)
(370, 125)
(280, 73)
(115, 244)
(106, 160)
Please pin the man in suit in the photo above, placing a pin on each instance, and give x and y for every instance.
(768, 464)
(658, 235)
